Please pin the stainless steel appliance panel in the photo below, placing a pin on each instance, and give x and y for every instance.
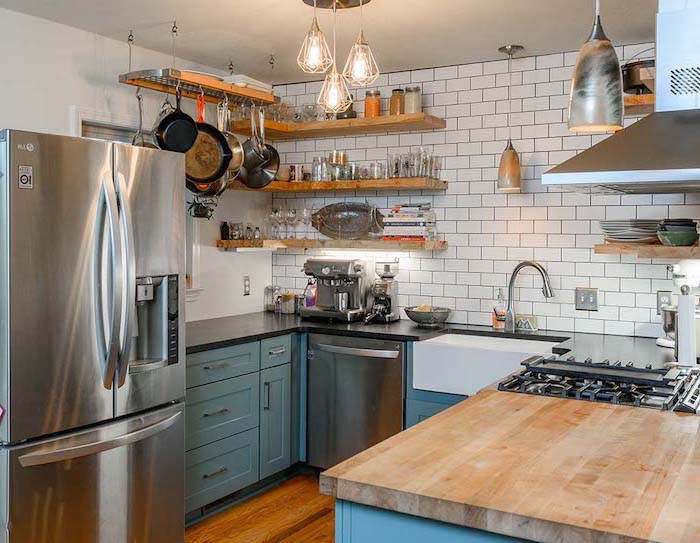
(355, 396)
(151, 193)
(61, 298)
(120, 482)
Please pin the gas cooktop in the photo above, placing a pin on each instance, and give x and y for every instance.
(609, 382)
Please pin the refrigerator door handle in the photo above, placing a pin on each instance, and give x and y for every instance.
(40, 458)
(129, 278)
(110, 343)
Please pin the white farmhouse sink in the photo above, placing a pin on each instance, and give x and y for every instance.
(463, 364)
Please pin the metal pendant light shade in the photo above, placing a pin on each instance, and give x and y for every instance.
(335, 96)
(315, 55)
(509, 170)
(596, 103)
(361, 69)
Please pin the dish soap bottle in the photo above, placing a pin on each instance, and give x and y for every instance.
(499, 312)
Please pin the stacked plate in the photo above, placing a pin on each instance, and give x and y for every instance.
(630, 231)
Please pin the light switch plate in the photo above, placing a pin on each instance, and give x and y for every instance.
(587, 299)
(246, 285)
(663, 297)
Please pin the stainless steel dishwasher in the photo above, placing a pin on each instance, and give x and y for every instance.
(355, 396)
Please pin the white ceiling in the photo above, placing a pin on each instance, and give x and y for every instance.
(403, 33)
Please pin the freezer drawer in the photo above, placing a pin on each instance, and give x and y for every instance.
(119, 482)
(355, 396)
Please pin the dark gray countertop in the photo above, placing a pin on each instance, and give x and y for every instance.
(226, 331)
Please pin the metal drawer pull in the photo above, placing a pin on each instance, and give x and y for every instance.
(219, 412)
(277, 351)
(214, 474)
(217, 366)
(266, 396)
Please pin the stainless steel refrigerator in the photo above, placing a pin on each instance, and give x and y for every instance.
(91, 341)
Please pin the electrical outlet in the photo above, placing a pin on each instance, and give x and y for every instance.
(663, 297)
(246, 285)
(587, 299)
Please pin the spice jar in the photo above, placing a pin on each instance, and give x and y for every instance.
(413, 100)
(288, 301)
(397, 102)
(373, 104)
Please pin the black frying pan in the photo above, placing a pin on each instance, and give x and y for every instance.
(175, 130)
(209, 158)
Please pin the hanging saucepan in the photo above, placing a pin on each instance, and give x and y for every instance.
(254, 152)
(224, 126)
(207, 190)
(174, 130)
(139, 140)
(264, 174)
(210, 156)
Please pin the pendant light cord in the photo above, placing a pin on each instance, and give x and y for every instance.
(510, 84)
(597, 8)
(335, 23)
(361, 17)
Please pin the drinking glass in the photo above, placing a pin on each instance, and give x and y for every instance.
(394, 166)
(290, 219)
(306, 220)
(437, 167)
(276, 222)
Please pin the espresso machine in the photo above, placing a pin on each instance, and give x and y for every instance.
(341, 289)
(384, 294)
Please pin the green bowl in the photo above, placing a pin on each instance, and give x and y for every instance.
(678, 239)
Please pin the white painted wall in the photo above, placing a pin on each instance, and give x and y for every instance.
(50, 70)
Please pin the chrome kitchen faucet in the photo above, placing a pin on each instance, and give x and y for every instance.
(546, 289)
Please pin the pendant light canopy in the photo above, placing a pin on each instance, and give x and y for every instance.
(335, 96)
(361, 69)
(315, 56)
(509, 170)
(596, 103)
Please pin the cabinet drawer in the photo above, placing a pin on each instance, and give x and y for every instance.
(219, 364)
(221, 409)
(219, 469)
(275, 351)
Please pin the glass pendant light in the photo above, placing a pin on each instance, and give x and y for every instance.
(335, 96)
(509, 171)
(361, 69)
(596, 104)
(315, 56)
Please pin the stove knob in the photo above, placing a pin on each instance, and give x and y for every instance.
(606, 361)
(571, 359)
(588, 360)
(648, 366)
(618, 363)
(630, 364)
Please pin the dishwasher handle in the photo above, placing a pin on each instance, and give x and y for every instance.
(353, 351)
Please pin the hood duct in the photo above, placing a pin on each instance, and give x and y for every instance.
(660, 153)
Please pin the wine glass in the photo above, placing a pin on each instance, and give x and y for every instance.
(275, 222)
(290, 219)
(306, 219)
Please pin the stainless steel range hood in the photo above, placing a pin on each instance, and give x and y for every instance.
(660, 153)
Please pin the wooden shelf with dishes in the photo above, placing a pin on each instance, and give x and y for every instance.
(639, 104)
(649, 251)
(415, 183)
(192, 84)
(407, 122)
(378, 244)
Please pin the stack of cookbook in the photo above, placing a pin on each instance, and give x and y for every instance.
(410, 222)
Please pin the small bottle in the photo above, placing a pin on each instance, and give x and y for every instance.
(249, 232)
(257, 234)
(499, 312)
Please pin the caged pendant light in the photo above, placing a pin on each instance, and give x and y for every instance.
(361, 69)
(315, 56)
(509, 171)
(596, 103)
(335, 96)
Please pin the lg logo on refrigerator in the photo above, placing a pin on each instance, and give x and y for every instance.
(26, 177)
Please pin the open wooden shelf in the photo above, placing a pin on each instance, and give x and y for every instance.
(332, 244)
(368, 184)
(639, 104)
(345, 127)
(649, 251)
(167, 79)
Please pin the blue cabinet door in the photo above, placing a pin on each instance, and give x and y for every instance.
(417, 411)
(275, 419)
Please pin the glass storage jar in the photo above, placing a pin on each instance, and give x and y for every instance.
(373, 104)
(413, 100)
(288, 301)
(397, 103)
(271, 293)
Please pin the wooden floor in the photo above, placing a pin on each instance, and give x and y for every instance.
(292, 512)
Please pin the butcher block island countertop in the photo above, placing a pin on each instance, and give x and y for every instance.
(538, 468)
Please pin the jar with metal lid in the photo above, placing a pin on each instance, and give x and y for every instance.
(288, 301)
(373, 104)
(413, 100)
(271, 294)
(397, 102)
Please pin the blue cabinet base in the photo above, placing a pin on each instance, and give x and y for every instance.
(356, 523)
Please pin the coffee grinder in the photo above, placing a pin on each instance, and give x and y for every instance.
(384, 295)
